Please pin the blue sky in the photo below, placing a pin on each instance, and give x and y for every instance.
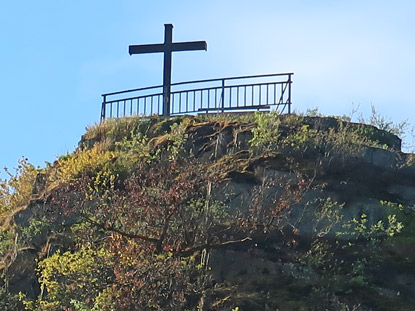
(57, 57)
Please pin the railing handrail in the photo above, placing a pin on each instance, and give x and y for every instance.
(229, 86)
(234, 78)
(195, 90)
(200, 81)
(206, 94)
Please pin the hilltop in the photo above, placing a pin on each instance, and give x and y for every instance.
(225, 212)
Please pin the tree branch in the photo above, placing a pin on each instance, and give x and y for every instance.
(191, 250)
(122, 233)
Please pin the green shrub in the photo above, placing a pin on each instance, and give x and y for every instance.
(35, 228)
(343, 142)
(266, 132)
(359, 229)
(68, 277)
(7, 242)
(8, 301)
(16, 191)
(89, 162)
(106, 134)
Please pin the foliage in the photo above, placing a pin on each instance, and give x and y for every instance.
(410, 160)
(35, 228)
(145, 215)
(301, 138)
(385, 124)
(362, 230)
(342, 142)
(16, 191)
(313, 112)
(326, 215)
(291, 121)
(131, 150)
(156, 281)
(272, 132)
(83, 275)
(7, 240)
(375, 119)
(178, 135)
(347, 264)
(89, 162)
(8, 301)
(391, 204)
(163, 216)
(158, 198)
(269, 212)
(266, 133)
(136, 144)
(319, 254)
(111, 131)
(158, 212)
(226, 117)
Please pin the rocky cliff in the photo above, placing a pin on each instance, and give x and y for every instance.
(251, 212)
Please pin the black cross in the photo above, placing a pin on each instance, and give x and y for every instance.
(167, 48)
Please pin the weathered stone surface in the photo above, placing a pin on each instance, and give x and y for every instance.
(381, 157)
(40, 184)
(22, 273)
(361, 182)
(229, 264)
(406, 193)
(370, 131)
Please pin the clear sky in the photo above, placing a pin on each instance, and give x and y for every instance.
(58, 56)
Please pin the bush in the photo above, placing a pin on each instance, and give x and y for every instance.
(111, 131)
(89, 162)
(266, 133)
(16, 191)
(84, 275)
(8, 301)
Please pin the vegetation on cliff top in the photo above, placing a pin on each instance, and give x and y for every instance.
(145, 212)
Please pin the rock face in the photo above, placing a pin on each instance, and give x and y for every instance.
(357, 182)
(22, 273)
(383, 137)
(39, 241)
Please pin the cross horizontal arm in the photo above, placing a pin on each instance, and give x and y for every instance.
(189, 46)
(167, 48)
(146, 48)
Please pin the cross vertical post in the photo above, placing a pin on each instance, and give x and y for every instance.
(168, 40)
(167, 48)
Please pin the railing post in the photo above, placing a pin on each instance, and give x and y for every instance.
(104, 102)
(223, 95)
(289, 93)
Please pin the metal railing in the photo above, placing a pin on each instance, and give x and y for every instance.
(234, 94)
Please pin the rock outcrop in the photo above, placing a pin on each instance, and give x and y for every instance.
(375, 181)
